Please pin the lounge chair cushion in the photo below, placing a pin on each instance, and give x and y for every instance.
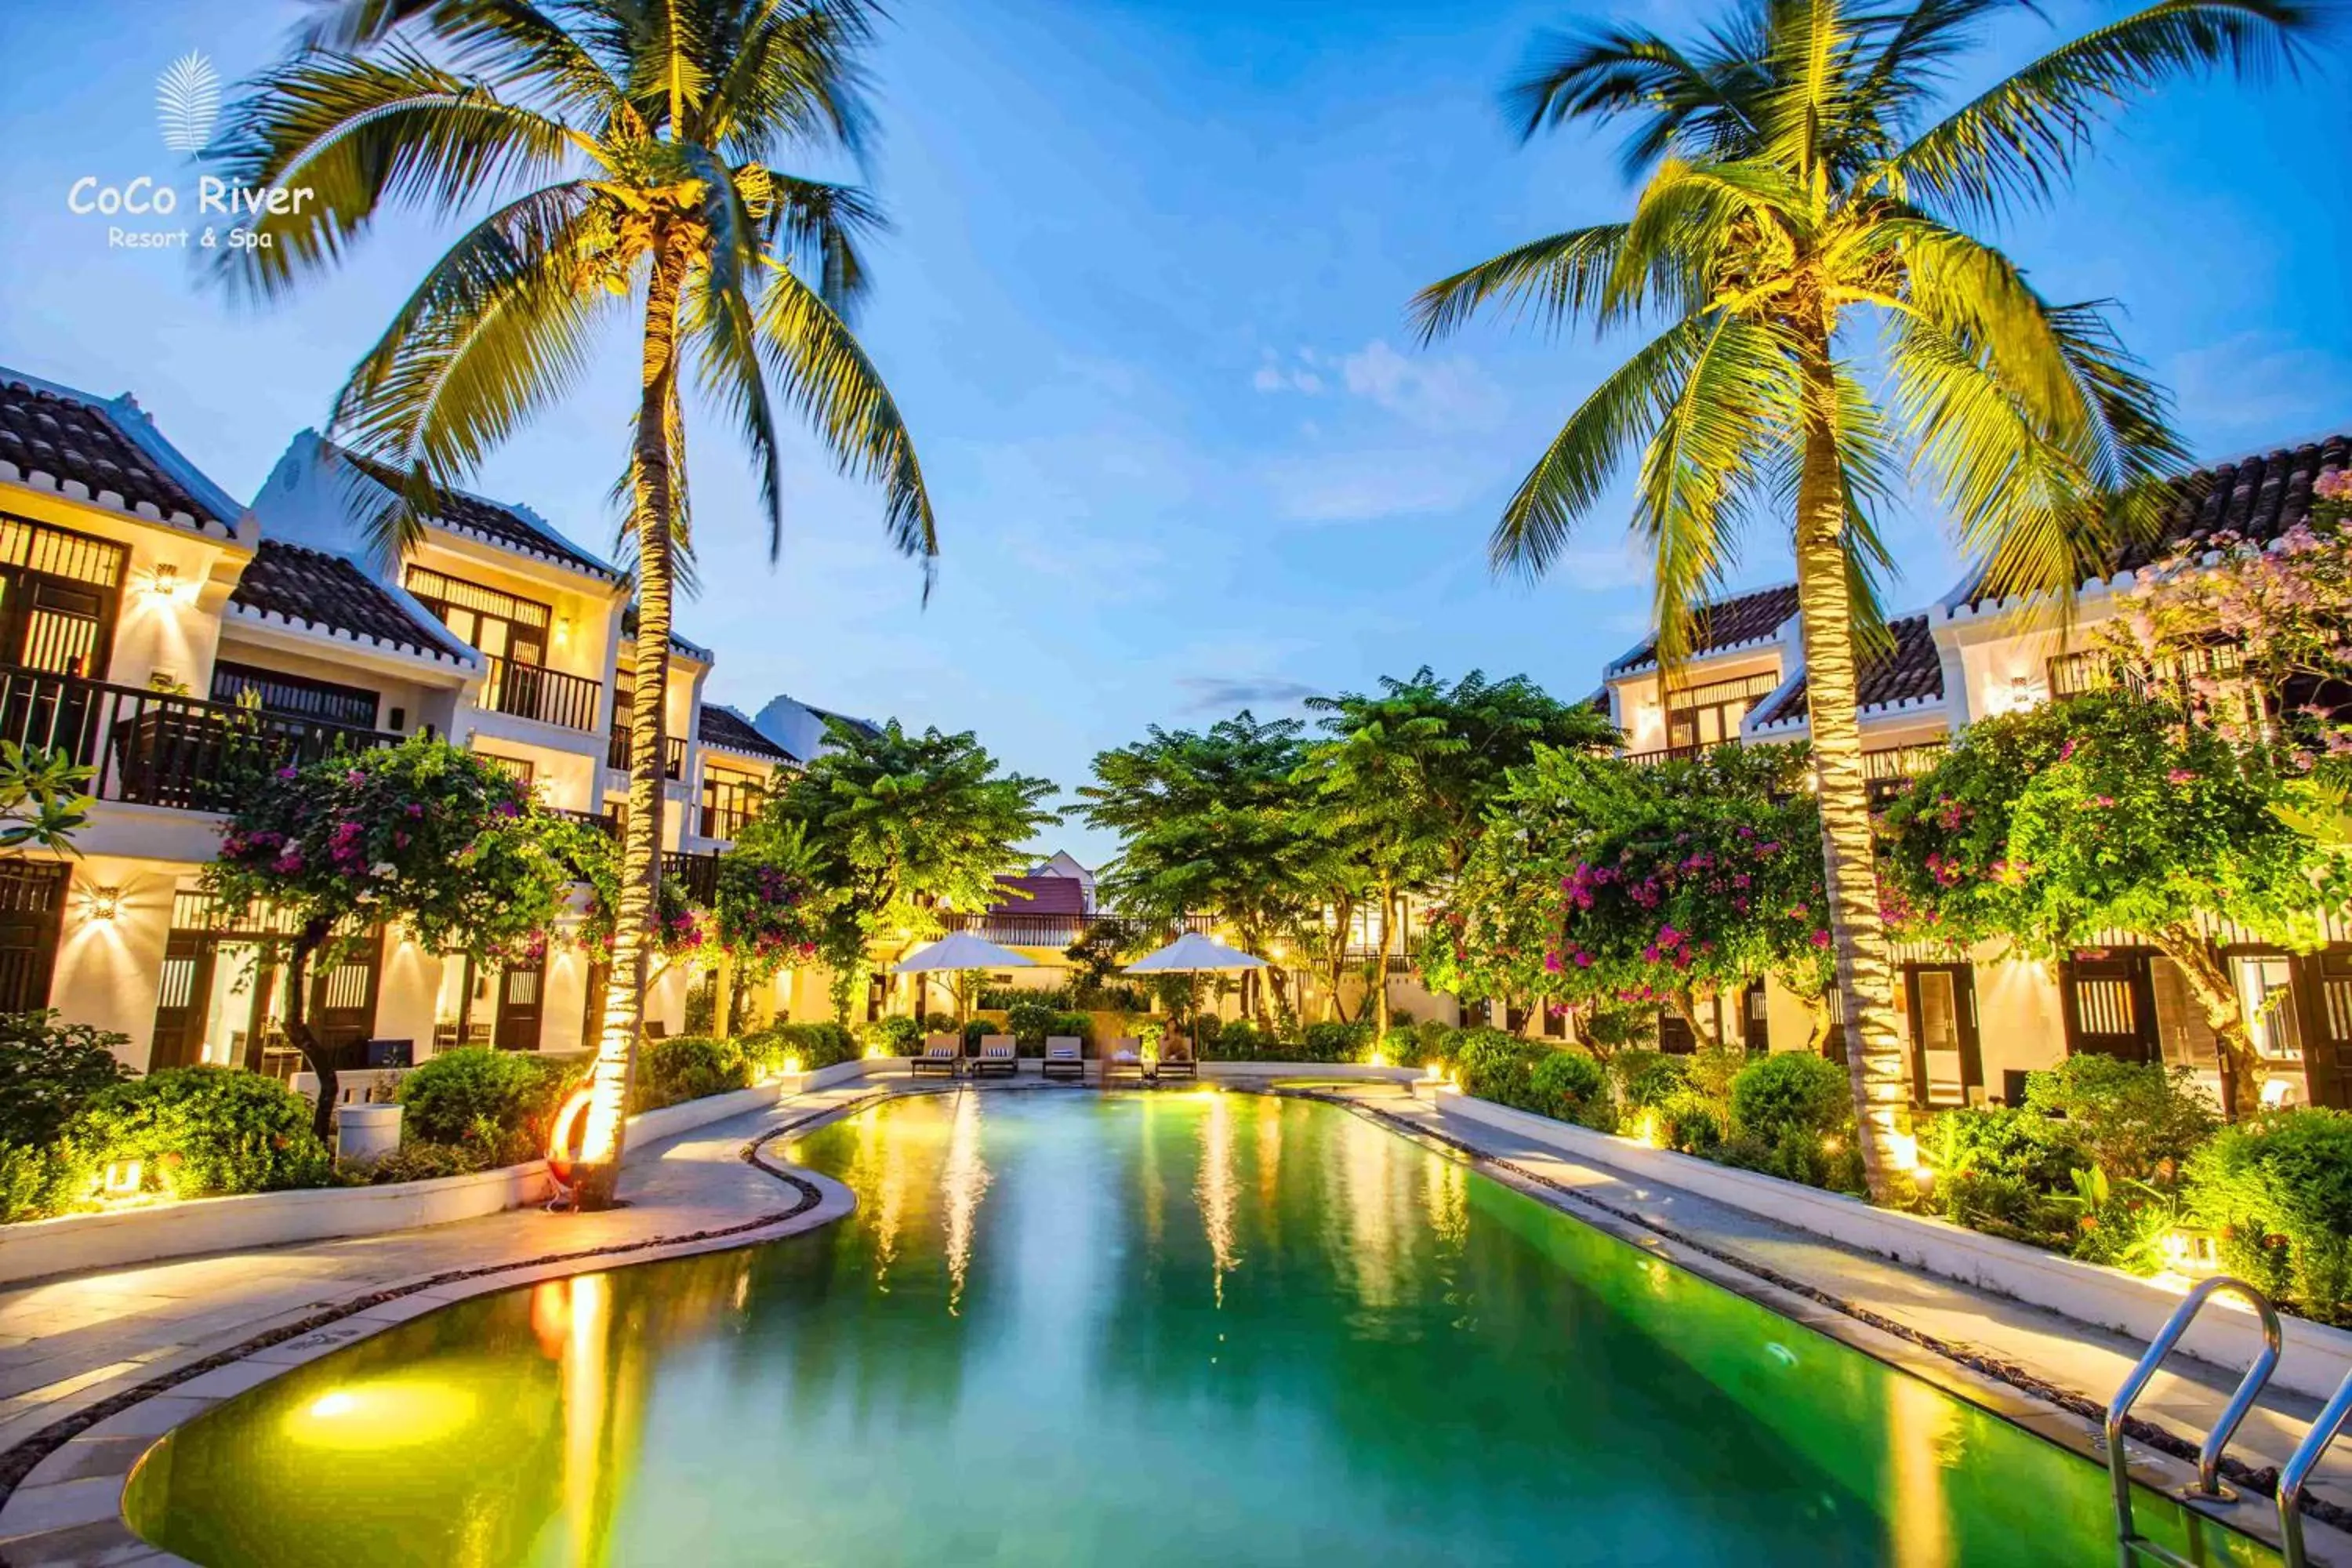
(938, 1046)
(1063, 1049)
(996, 1048)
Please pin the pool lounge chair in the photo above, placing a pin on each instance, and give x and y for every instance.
(1124, 1059)
(1176, 1060)
(1066, 1056)
(942, 1054)
(998, 1053)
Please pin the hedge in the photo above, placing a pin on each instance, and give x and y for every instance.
(502, 1103)
(2278, 1189)
(198, 1131)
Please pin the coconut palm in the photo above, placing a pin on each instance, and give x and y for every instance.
(631, 159)
(1802, 182)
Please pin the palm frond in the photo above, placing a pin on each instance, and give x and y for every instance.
(2016, 142)
(1560, 278)
(789, 71)
(822, 371)
(819, 224)
(1700, 107)
(359, 133)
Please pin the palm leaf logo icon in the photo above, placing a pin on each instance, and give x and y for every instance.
(187, 102)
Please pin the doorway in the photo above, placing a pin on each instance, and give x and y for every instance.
(1946, 1056)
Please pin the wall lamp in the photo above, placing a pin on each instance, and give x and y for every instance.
(105, 904)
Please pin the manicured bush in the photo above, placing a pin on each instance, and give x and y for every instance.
(1078, 1025)
(1645, 1078)
(1030, 1022)
(689, 1068)
(897, 1035)
(1793, 1091)
(2136, 1121)
(939, 1024)
(47, 1070)
(1333, 1042)
(500, 1101)
(1499, 1066)
(1241, 1041)
(198, 1132)
(1572, 1087)
(1690, 1122)
(416, 1161)
(1711, 1071)
(812, 1046)
(2278, 1189)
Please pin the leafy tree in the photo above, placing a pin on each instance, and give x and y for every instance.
(1802, 180)
(1406, 776)
(634, 156)
(2112, 812)
(897, 825)
(421, 833)
(770, 912)
(1213, 822)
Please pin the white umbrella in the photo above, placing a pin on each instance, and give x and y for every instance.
(959, 950)
(1193, 953)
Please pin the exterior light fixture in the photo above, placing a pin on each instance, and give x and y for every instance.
(105, 904)
(163, 580)
(123, 1177)
(793, 1064)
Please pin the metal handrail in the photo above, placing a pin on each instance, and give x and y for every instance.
(2209, 1457)
(2298, 1470)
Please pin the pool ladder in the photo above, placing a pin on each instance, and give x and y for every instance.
(2131, 1546)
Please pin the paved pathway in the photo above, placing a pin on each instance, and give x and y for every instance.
(73, 1346)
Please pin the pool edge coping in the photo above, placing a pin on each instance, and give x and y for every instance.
(84, 1531)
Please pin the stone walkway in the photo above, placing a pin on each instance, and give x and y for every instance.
(82, 1357)
(84, 1346)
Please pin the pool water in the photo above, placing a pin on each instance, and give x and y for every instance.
(1135, 1329)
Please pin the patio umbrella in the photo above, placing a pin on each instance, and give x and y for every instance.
(1193, 953)
(956, 952)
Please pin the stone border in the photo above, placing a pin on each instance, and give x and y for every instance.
(2056, 1414)
(119, 1431)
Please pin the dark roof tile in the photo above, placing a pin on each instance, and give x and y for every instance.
(1912, 673)
(74, 439)
(1724, 624)
(310, 588)
(499, 524)
(730, 732)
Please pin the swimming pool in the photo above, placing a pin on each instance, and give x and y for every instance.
(1142, 1328)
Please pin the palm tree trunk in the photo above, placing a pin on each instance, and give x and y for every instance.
(599, 1168)
(1865, 977)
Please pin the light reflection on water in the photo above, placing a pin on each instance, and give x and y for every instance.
(1163, 1328)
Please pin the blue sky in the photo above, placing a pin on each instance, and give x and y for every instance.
(1144, 310)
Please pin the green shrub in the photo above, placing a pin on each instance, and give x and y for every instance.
(2013, 1144)
(1690, 1122)
(1078, 1025)
(1572, 1087)
(501, 1101)
(1711, 1071)
(897, 1035)
(416, 1161)
(1999, 1203)
(1030, 1022)
(813, 1045)
(689, 1068)
(2136, 1121)
(939, 1024)
(1240, 1041)
(1499, 1066)
(1610, 1029)
(47, 1070)
(199, 1131)
(1645, 1078)
(1334, 1042)
(1791, 1093)
(2278, 1188)
(30, 1180)
(978, 1030)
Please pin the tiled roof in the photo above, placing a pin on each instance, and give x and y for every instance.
(500, 524)
(730, 732)
(1047, 895)
(1726, 623)
(79, 441)
(863, 726)
(1912, 673)
(2260, 497)
(676, 644)
(311, 588)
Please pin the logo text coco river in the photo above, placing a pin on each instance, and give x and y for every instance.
(187, 103)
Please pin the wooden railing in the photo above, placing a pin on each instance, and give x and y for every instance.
(616, 754)
(699, 873)
(1889, 772)
(533, 691)
(726, 822)
(153, 749)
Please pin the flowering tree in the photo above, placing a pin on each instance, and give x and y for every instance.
(421, 833)
(2113, 812)
(682, 931)
(770, 912)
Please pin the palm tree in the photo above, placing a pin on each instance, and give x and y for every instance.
(1799, 177)
(631, 158)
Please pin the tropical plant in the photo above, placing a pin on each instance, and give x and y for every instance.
(769, 912)
(422, 833)
(631, 153)
(897, 825)
(47, 1070)
(41, 798)
(2278, 1189)
(2111, 811)
(198, 1132)
(501, 1102)
(1801, 176)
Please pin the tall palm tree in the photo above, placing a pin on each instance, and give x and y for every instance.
(1801, 178)
(631, 157)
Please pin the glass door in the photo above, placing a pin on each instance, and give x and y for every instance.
(1947, 1061)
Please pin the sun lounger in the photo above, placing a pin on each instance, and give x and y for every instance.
(998, 1053)
(1176, 1060)
(1124, 1059)
(942, 1054)
(1066, 1056)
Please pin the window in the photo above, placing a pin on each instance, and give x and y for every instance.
(2265, 996)
(296, 696)
(500, 624)
(520, 769)
(60, 592)
(1709, 715)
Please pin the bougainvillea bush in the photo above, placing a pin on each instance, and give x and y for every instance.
(2112, 811)
(768, 913)
(683, 932)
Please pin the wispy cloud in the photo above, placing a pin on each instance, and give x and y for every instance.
(2257, 388)
(1224, 694)
(1365, 486)
(1450, 393)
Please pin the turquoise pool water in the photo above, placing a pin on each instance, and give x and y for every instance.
(1132, 1328)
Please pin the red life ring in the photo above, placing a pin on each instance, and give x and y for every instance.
(559, 1138)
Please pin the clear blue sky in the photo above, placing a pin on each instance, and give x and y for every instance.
(1144, 310)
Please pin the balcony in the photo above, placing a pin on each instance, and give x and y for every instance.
(698, 873)
(726, 822)
(152, 749)
(616, 754)
(1889, 772)
(533, 691)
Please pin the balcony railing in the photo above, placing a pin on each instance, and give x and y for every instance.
(602, 821)
(726, 822)
(533, 691)
(152, 749)
(1060, 930)
(1889, 772)
(1666, 754)
(699, 873)
(616, 754)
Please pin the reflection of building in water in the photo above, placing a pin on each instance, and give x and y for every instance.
(963, 1182)
(879, 1174)
(1215, 1188)
(1373, 1170)
(1923, 1426)
(1445, 1190)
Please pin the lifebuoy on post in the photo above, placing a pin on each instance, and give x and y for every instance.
(559, 1139)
